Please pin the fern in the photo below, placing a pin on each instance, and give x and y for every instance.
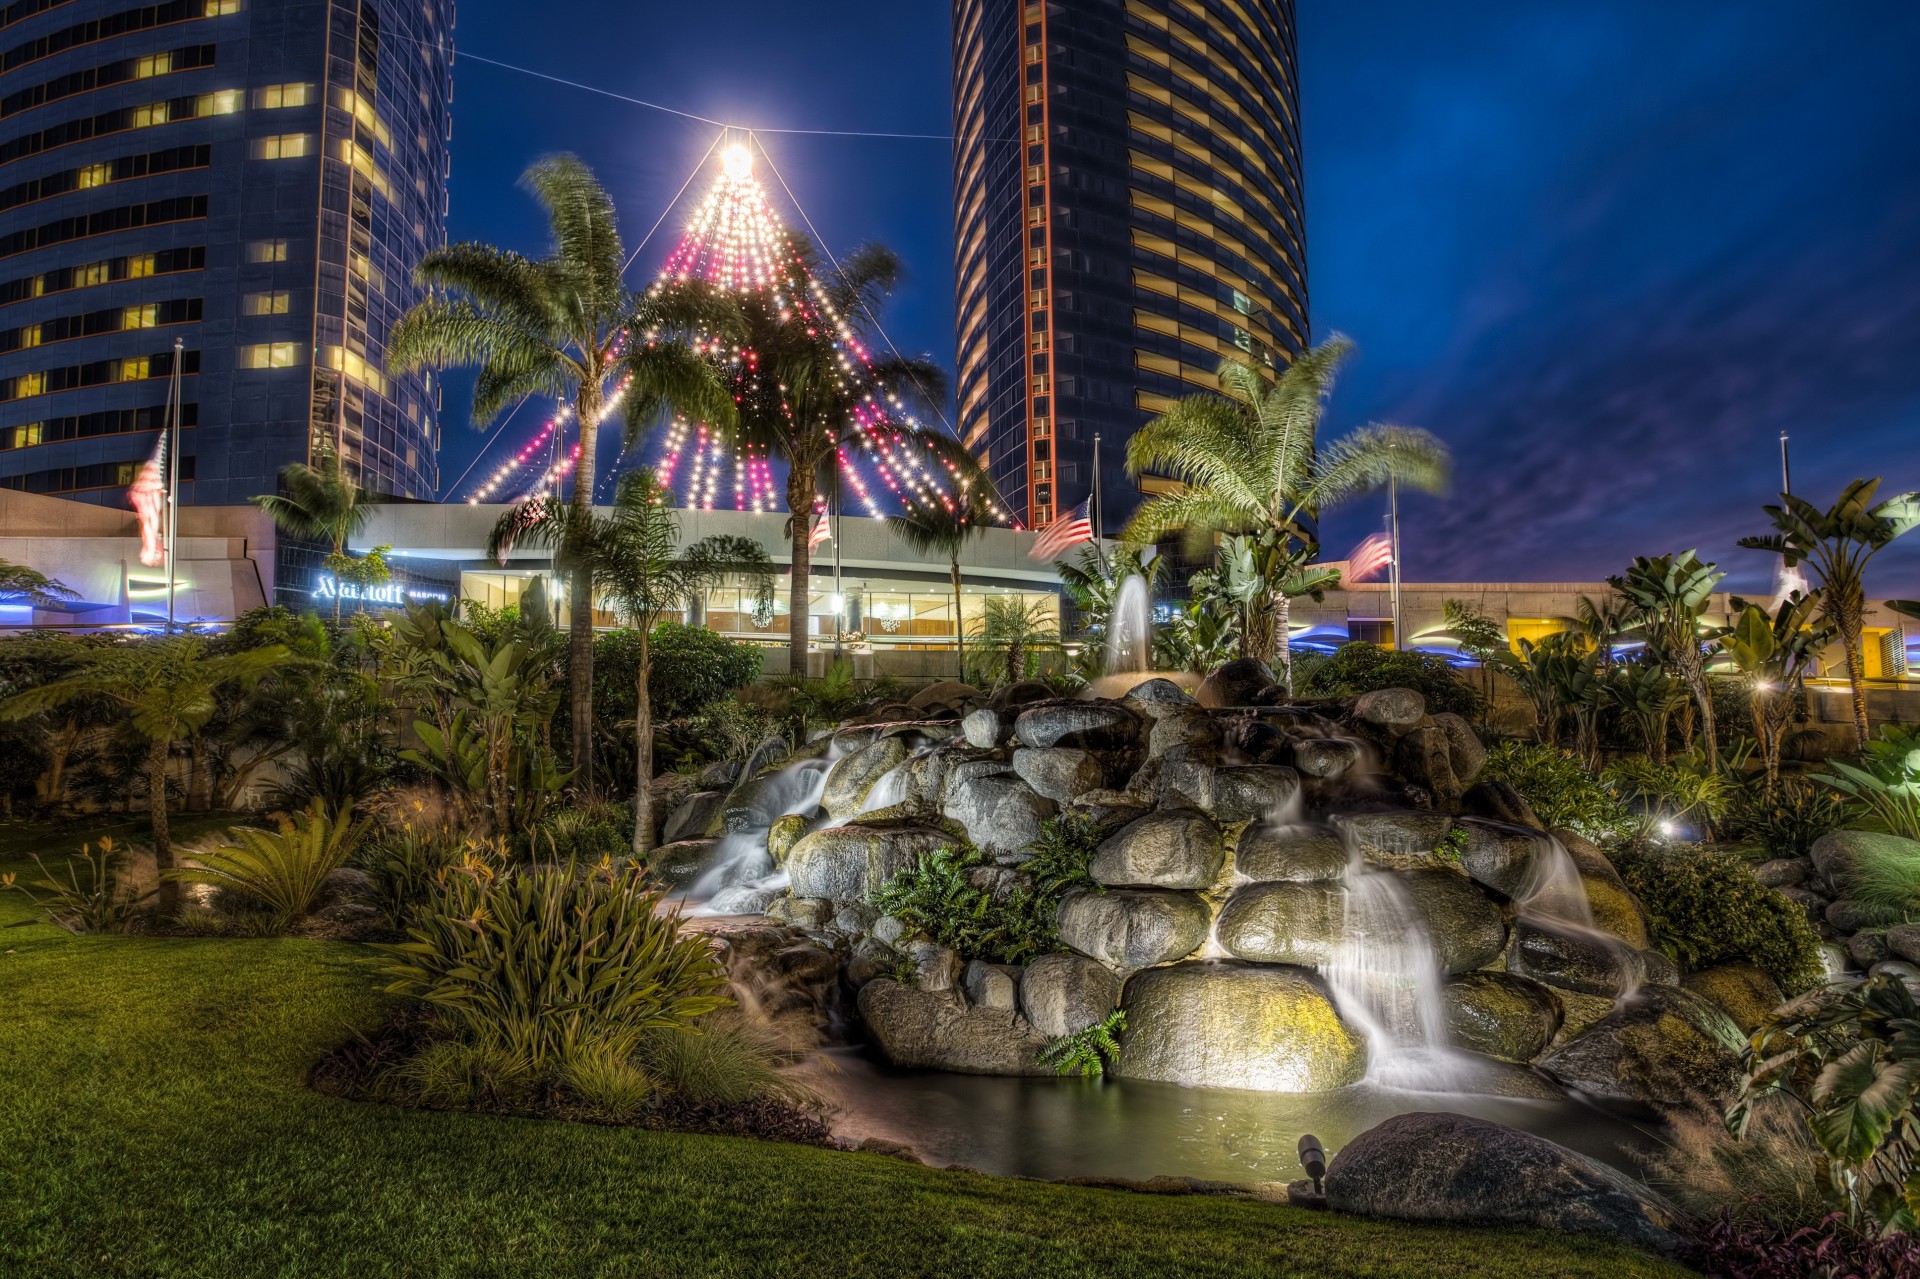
(939, 898)
(1090, 1053)
(1062, 853)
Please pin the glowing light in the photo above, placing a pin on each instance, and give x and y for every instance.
(737, 161)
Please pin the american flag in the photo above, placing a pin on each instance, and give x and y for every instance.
(1072, 528)
(822, 531)
(1368, 558)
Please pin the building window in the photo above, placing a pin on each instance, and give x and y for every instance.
(281, 146)
(93, 175)
(140, 266)
(140, 317)
(267, 251)
(135, 368)
(1242, 303)
(268, 355)
(219, 102)
(152, 65)
(1370, 630)
(273, 96)
(29, 384)
(28, 435)
(274, 303)
(221, 8)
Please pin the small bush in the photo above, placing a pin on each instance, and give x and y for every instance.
(1089, 1053)
(589, 833)
(1770, 1175)
(1787, 824)
(1063, 852)
(93, 896)
(1560, 790)
(611, 1087)
(283, 870)
(1888, 878)
(722, 1060)
(1360, 667)
(938, 897)
(402, 870)
(456, 1074)
(691, 666)
(1731, 1250)
(1707, 908)
(1677, 792)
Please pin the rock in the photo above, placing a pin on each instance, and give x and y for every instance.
(1663, 1046)
(999, 882)
(783, 835)
(1741, 991)
(1836, 853)
(1109, 810)
(679, 864)
(1403, 833)
(1848, 916)
(1833, 959)
(1241, 682)
(1870, 947)
(995, 986)
(1429, 1166)
(1422, 757)
(693, 817)
(935, 967)
(1130, 929)
(1660, 970)
(940, 1031)
(1464, 752)
(1088, 725)
(1466, 929)
(1020, 693)
(1393, 709)
(1180, 778)
(1783, 872)
(1908, 974)
(855, 919)
(1574, 959)
(871, 958)
(1182, 727)
(1579, 1011)
(1301, 854)
(1173, 848)
(949, 694)
(850, 780)
(1501, 1015)
(1158, 693)
(1904, 941)
(962, 773)
(1062, 994)
(1504, 858)
(846, 863)
(1325, 757)
(808, 913)
(1000, 814)
(889, 929)
(1223, 1025)
(987, 729)
(1252, 792)
(1284, 923)
(1498, 801)
(1060, 773)
(1809, 901)
(1616, 911)
(720, 775)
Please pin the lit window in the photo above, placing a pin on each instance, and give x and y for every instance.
(220, 8)
(265, 303)
(29, 384)
(220, 102)
(93, 175)
(267, 251)
(1242, 303)
(123, 474)
(145, 316)
(152, 65)
(280, 146)
(28, 435)
(140, 266)
(272, 96)
(268, 355)
(134, 368)
(89, 275)
(30, 336)
(152, 113)
(39, 286)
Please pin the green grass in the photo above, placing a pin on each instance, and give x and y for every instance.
(154, 1123)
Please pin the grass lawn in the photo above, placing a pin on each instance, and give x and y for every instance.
(153, 1122)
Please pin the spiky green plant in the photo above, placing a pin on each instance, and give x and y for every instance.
(93, 896)
(1089, 1053)
(1884, 787)
(285, 869)
(1671, 594)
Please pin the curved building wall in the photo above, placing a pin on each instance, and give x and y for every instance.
(257, 178)
(1129, 212)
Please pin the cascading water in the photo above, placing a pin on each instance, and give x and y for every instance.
(1554, 900)
(742, 879)
(1130, 630)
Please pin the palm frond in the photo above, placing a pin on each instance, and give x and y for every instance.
(588, 255)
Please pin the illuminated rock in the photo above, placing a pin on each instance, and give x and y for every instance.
(1227, 1025)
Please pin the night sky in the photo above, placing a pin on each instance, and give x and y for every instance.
(1607, 252)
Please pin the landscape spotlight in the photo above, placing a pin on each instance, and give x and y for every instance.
(1313, 1159)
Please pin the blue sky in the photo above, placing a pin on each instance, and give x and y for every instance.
(1607, 252)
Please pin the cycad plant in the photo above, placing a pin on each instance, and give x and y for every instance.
(1773, 651)
(939, 525)
(284, 869)
(1839, 543)
(1252, 464)
(1671, 593)
(566, 325)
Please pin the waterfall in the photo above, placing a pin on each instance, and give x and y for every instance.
(743, 879)
(1130, 630)
(1554, 900)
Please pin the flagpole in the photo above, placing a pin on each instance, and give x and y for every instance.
(1393, 515)
(1098, 531)
(840, 608)
(1786, 474)
(173, 478)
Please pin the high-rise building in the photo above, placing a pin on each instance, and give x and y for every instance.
(256, 178)
(1128, 212)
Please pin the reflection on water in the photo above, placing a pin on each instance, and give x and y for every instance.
(1128, 1128)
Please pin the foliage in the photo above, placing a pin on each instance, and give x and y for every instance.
(690, 667)
(1833, 1247)
(1360, 667)
(549, 962)
(1451, 846)
(1092, 580)
(1648, 694)
(939, 897)
(1062, 853)
(720, 1059)
(1201, 635)
(938, 525)
(404, 866)
(20, 584)
(1771, 1173)
(319, 502)
(1670, 797)
(1671, 594)
(454, 1074)
(1787, 822)
(1706, 908)
(588, 833)
(1850, 1055)
(1884, 787)
(1013, 632)
(823, 701)
(284, 870)
(1888, 878)
(1089, 1053)
(612, 1087)
(92, 897)
(1774, 652)
(1559, 788)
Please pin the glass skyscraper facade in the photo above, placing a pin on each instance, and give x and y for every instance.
(257, 178)
(1128, 212)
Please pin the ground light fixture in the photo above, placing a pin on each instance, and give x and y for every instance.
(1313, 1159)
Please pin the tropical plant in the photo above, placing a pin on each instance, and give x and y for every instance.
(283, 870)
(319, 502)
(939, 525)
(554, 963)
(1479, 637)
(1089, 1053)
(1605, 622)
(1786, 820)
(167, 686)
(1058, 858)
(939, 897)
(566, 325)
(721, 1059)
(1774, 652)
(1093, 580)
(1839, 543)
(1671, 796)
(1772, 1173)
(827, 699)
(1884, 787)
(1646, 693)
(1850, 1056)
(690, 667)
(1559, 788)
(20, 584)
(1560, 675)
(1671, 594)
(1360, 667)
(94, 895)
(404, 866)
(1252, 464)
(1013, 632)
(1201, 636)
(1706, 908)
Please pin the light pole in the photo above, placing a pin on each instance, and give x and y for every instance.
(173, 478)
(1393, 536)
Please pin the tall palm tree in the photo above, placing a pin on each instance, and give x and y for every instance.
(1839, 542)
(168, 686)
(558, 326)
(933, 526)
(321, 504)
(1252, 464)
(632, 555)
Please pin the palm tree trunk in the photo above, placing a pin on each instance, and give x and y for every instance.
(643, 756)
(799, 599)
(1696, 674)
(157, 812)
(959, 627)
(1856, 674)
(1283, 640)
(586, 408)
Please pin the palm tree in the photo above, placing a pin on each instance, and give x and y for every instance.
(22, 585)
(1252, 464)
(800, 398)
(1773, 653)
(631, 555)
(937, 526)
(1605, 621)
(559, 326)
(1839, 542)
(168, 686)
(321, 504)
(1671, 594)
(1012, 631)
(1093, 580)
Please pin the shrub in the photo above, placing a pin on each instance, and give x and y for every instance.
(1770, 1174)
(939, 897)
(1888, 878)
(553, 961)
(403, 868)
(610, 1086)
(1707, 908)
(1063, 852)
(1360, 667)
(721, 1060)
(1884, 788)
(283, 870)
(1787, 823)
(1677, 792)
(453, 1074)
(94, 895)
(1833, 1248)
(1560, 789)
(592, 832)
(1088, 1053)
(691, 666)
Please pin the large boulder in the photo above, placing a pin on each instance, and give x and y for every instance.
(1422, 756)
(1172, 848)
(1245, 681)
(995, 986)
(1501, 1015)
(1428, 1166)
(783, 835)
(1303, 854)
(693, 817)
(1063, 993)
(1664, 1046)
(987, 729)
(1836, 853)
(1504, 858)
(1131, 929)
(1395, 710)
(1252, 792)
(1465, 754)
(853, 777)
(1060, 773)
(1615, 909)
(1088, 725)
(1224, 1025)
(1574, 958)
(942, 1031)
(845, 863)
(1466, 929)
(1284, 923)
(1904, 940)
(1019, 693)
(1325, 758)
(679, 864)
(1000, 814)
(946, 694)
(1783, 872)
(1739, 990)
(1182, 726)
(1158, 696)
(1494, 798)
(1398, 834)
